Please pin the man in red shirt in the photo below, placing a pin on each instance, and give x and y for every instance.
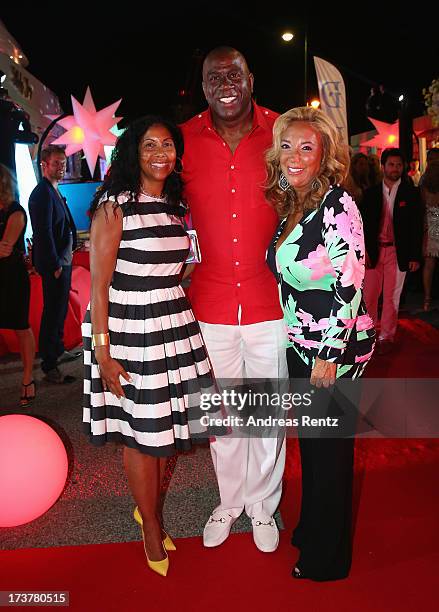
(233, 294)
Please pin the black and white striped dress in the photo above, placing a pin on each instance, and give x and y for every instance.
(153, 335)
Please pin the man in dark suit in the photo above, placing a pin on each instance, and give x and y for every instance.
(54, 238)
(392, 220)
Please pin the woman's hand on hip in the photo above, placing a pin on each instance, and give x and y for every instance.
(323, 373)
(111, 371)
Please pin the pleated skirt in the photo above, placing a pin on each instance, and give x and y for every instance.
(156, 339)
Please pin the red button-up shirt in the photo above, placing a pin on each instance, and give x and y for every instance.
(234, 222)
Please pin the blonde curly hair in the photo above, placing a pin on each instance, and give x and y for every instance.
(334, 166)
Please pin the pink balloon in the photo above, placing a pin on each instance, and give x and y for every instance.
(33, 469)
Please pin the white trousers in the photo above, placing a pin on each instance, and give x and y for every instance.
(387, 278)
(249, 470)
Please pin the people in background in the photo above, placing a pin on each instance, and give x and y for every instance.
(54, 238)
(375, 174)
(430, 198)
(357, 180)
(14, 280)
(414, 172)
(392, 217)
(381, 105)
(432, 156)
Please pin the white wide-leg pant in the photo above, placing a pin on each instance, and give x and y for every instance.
(249, 470)
(386, 277)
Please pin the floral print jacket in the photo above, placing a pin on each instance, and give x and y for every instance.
(320, 272)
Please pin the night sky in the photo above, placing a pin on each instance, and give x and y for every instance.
(146, 57)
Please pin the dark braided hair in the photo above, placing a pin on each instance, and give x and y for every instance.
(124, 171)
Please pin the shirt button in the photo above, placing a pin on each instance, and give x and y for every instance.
(233, 190)
(236, 263)
(238, 284)
(199, 116)
(235, 239)
(234, 215)
(224, 144)
(232, 167)
(266, 112)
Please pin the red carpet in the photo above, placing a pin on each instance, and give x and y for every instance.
(396, 547)
(417, 353)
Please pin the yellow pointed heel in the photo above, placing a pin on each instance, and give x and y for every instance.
(160, 567)
(167, 542)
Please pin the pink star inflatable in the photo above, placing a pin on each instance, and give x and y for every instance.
(388, 135)
(89, 129)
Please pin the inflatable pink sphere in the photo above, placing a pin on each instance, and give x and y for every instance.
(33, 469)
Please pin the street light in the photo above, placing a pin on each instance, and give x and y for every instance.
(288, 37)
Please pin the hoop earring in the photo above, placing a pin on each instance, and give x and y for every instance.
(283, 182)
(181, 166)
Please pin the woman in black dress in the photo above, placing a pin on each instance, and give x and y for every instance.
(14, 280)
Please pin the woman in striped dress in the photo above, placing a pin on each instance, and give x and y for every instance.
(145, 360)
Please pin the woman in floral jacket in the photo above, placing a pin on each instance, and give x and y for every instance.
(317, 255)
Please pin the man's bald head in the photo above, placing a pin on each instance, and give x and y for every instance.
(221, 52)
(228, 86)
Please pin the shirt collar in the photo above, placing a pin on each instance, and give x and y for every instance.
(57, 191)
(394, 188)
(49, 183)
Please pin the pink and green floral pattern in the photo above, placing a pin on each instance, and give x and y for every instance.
(320, 272)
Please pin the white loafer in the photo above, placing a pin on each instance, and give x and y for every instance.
(265, 532)
(217, 528)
